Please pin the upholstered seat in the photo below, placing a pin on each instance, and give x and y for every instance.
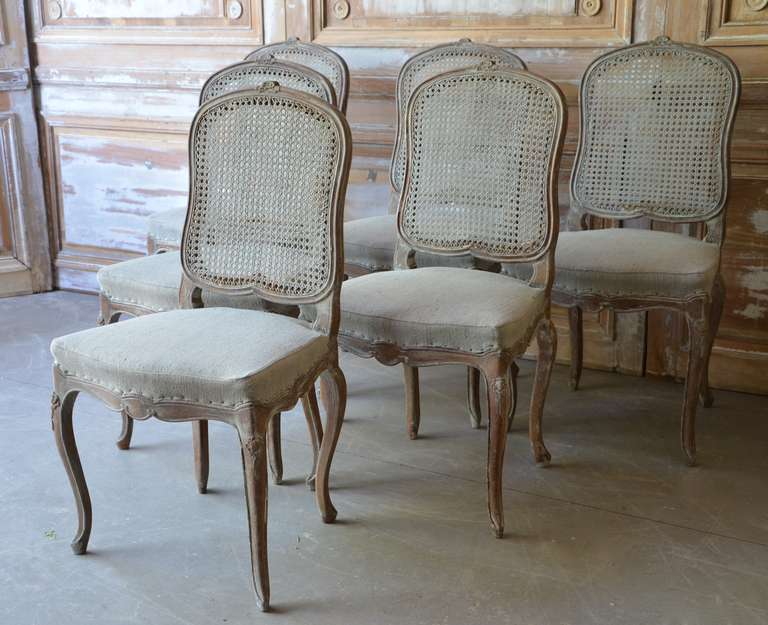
(369, 243)
(620, 262)
(437, 307)
(221, 356)
(164, 227)
(481, 153)
(152, 283)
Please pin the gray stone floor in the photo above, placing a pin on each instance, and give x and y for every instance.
(617, 530)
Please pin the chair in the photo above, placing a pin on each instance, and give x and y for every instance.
(369, 243)
(256, 224)
(656, 122)
(483, 147)
(151, 283)
(321, 59)
(164, 227)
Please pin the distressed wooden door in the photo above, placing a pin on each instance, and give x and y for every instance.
(24, 252)
(118, 84)
(556, 39)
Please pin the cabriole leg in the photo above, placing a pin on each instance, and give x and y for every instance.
(546, 339)
(499, 400)
(715, 314)
(61, 417)
(254, 451)
(334, 395)
(124, 440)
(315, 427)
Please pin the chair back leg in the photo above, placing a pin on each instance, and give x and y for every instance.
(333, 393)
(412, 400)
(546, 338)
(201, 454)
(576, 327)
(715, 314)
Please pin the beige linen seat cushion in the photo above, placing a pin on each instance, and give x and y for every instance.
(459, 309)
(370, 243)
(166, 227)
(628, 262)
(221, 356)
(152, 282)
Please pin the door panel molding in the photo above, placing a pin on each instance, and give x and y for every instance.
(148, 21)
(588, 24)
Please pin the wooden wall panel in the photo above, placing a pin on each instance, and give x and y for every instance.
(150, 21)
(117, 76)
(740, 356)
(110, 181)
(515, 22)
(119, 82)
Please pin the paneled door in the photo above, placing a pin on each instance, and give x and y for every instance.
(24, 250)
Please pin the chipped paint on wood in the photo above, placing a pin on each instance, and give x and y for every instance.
(755, 281)
(133, 9)
(110, 185)
(760, 219)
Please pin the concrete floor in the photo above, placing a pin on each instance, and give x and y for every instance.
(617, 530)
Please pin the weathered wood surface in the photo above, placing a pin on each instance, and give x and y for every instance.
(24, 250)
(141, 91)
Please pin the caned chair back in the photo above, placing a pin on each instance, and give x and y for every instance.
(319, 58)
(268, 173)
(656, 122)
(428, 64)
(250, 74)
(483, 147)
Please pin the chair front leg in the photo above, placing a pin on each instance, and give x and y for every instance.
(315, 427)
(333, 391)
(576, 327)
(201, 453)
(715, 314)
(275, 449)
(254, 452)
(546, 338)
(61, 418)
(412, 400)
(698, 330)
(499, 400)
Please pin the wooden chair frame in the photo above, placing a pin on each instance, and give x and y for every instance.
(494, 366)
(251, 420)
(293, 48)
(402, 96)
(111, 311)
(702, 314)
